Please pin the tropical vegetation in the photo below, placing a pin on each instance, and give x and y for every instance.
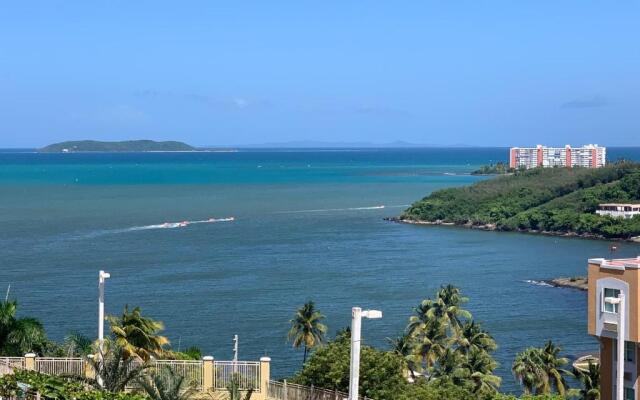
(55, 387)
(166, 384)
(123, 146)
(541, 370)
(590, 383)
(307, 329)
(113, 370)
(442, 353)
(20, 335)
(499, 168)
(556, 200)
(234, 389)
(136, 335)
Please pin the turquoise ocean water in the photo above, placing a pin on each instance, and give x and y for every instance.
(308, 225)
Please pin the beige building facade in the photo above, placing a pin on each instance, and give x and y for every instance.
(613, 311)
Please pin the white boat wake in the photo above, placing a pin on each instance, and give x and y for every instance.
(166, 225)
(380, 207)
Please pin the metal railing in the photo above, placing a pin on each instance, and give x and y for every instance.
(191, 370)
(12, 362)
(291, 391)
(60, 366)
(246, 372)
(8, 364)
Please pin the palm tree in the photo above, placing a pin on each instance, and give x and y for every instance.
(165, 384)
(429, 344)
(114, 370)
(307, 328)
(402, 346)
(471, 336)
(77, 344)
(552, 364)
(529, 371)
(420, 317)
(7, 319)
(590, 380)
(19, 335)
(27, 335)
(448, 307)
(449, 367)
(481, 365)
(234, 389)
(137, 335)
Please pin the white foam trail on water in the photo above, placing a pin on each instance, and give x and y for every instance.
(537, 283)
(166, 225)
(342, 209)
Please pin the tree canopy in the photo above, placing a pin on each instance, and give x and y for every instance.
(560, 200)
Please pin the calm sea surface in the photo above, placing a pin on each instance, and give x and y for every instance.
(308, 225)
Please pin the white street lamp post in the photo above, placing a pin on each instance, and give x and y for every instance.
(356, 322)
(619, 301)
(235, 354)
(102, 276)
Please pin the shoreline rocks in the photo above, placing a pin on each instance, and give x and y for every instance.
(577, 282)
(493, 227)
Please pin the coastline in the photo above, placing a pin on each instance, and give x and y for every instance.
(493, 227)
(578, 283)
(132, 151)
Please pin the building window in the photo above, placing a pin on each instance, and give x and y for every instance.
(630, 351)
(629, 394)
(608, 307)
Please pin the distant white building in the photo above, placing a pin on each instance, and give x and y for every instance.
(587, 156)
(619, 210)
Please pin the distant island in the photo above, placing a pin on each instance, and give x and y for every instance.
(556, 201)
(123, 146)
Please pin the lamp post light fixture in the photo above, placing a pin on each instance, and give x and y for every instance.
(619, 302)
(102, 276)
(356, 323)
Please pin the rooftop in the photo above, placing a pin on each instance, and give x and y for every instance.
(617, 263)
(619, 204)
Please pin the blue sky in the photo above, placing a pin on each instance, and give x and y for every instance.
(432, 72)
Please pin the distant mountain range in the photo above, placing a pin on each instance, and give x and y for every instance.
(307, 144)
(123, 146)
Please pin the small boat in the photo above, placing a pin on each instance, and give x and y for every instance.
(183, 223)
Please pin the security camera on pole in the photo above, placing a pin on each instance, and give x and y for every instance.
(356, 323)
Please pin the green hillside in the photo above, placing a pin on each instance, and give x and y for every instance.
(123, 146)
(558, 200)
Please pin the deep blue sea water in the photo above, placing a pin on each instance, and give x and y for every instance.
(308, 225)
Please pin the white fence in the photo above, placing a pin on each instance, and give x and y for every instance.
(60, 366)
(190, 370)
(291, 391)
(12, 362)
(246, 372)
(219, 374)
(8, 364)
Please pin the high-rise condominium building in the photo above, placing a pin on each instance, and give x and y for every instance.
(587, 156)
(614, 319)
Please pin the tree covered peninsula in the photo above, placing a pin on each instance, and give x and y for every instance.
(123, 146)
(545, 200)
